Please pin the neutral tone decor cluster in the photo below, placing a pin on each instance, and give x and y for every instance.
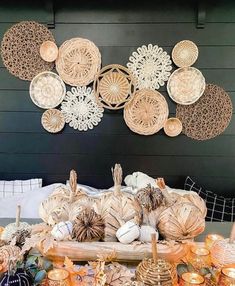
(78, 61)
(185, 53)
(53, 120)
(186, 85)
(209, 116)
(47, 90)
(114, 86)
(147, 112)
(20, 49)
(151, 66)
(80, 109)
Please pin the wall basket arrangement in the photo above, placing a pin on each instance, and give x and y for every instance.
(203, 112)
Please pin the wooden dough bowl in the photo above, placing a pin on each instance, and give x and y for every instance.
(88, 251)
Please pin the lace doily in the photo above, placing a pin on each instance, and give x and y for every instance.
(47, 90)
(80, 108)
(147, 112)
(53, 120)
(151, 66)
(114, 86)
(186, 85)
(209, 116)
(185, 53)
(20, 49)
(78, 61)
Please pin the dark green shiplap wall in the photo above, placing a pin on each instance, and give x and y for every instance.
(118, 28)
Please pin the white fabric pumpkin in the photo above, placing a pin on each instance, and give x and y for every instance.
(128, 232)
(62, 230)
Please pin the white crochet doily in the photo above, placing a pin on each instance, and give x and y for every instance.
(80, 108)
(151, 66)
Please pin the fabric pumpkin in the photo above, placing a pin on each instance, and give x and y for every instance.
(20, 277)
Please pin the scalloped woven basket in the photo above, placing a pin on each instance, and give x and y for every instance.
(147, 112)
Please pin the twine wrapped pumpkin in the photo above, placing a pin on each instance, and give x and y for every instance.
(117, 207)
(11, 228)
(181, 221)
(223, 251)
(156, 271)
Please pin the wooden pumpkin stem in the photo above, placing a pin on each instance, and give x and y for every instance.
(232, 235)
(154, 247)
(73, 183)
(117, 178)
(18, 210)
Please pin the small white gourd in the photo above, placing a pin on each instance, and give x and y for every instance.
(146, 232)
(62, 230)
(128, 232)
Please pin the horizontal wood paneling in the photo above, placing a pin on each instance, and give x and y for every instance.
(118, 28)
(92, 144)
(112, 123)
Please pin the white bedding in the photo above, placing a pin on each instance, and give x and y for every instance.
(29, 202)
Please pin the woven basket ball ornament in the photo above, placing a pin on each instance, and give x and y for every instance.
(20, 49)
(209, 116)
(114, 86)
(78, 62)
(147, 112)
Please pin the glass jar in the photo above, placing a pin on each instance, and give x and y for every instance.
(227, 276)
(199, 257)
(211, 239)
(58, 277)
(191, 279)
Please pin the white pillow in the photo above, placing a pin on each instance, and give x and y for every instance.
(17, 187)
(29, 201)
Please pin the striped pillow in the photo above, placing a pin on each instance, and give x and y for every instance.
(219, 208)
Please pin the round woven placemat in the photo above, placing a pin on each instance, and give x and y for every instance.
(114, 86)
(209, 116)
(147, 112)
(20, 49)
(78, 61)
(185, 53)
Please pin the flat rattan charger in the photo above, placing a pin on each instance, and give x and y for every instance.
(147, 112)
(20, 49)
(209, 116)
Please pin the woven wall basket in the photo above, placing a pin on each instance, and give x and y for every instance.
(186, 85)
(78, 61)
(114, 86)
(147, 112)
(53, 120)
(47, 90)
(20, 49)
(185, 53)
(209, 116)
